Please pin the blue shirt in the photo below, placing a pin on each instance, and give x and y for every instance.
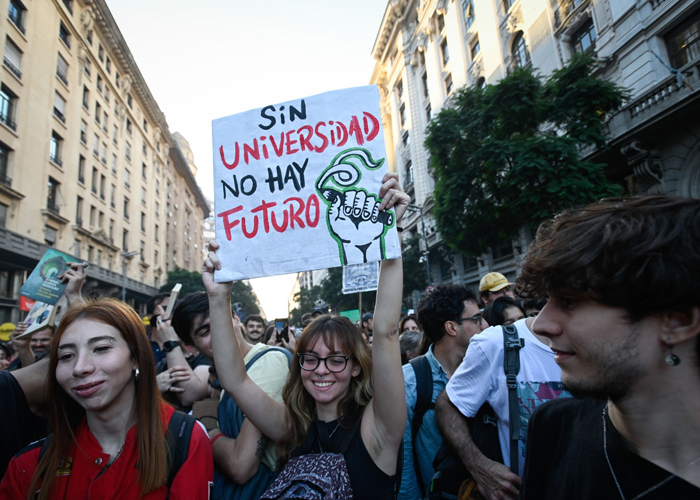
(428, 439)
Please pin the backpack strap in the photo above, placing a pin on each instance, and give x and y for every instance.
(265, 351)
(511, 365)
(178, 440)
(424, 402)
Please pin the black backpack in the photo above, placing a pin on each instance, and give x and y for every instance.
(177, 438)
(450, 473)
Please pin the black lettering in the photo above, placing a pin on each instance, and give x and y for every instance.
(289, 176)
(294, 112)
(300, 170)
(272, 179)
(264, 113)
(234, 189)
(253, 183)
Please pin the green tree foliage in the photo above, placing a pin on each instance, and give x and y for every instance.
(332, 294)
(509, 156)
(305, 299)
(414, 275)
(242, 293)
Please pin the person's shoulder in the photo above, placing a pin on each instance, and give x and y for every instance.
(488, 340)
(30, 453)
(567, 410)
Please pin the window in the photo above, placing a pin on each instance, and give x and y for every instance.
(88, 67)
(55, 148)
(93, 213)
(50, 234)
(112, 191)
(445, 51)
(111, 231)
(469, 16)
(428, 113)
(583, 40)
(62, 69)
(81, 169)
(129, 101)
(402, 114)
(116, 79)
(103, 154)
(143, 195)
(89, 37)
(107, 94)
(8, 102)
(105, 117)
(683, 42)
(98, 112)
(157, 210)
(521, 56)
(101, 53)
(127, 178)
(52, 199)
(157, 187)
(86, 98)
(145, 125)
(406, 140)
(76, 248)
(83, 132)
(100, 219)
(128, 126)
(69, 5)
(108, 65)
(103, 183)
(481, 83)
(94, 179)
(440, 23)
(142, 252)
(143, 222)
(448, 84)
(399, 89)
(99, 83)
(507, 4)
(424, 79)
(98, 259)
(114, 134)
(157, 230)
(474, 48)
(128, 151)
(17, 14)
(114, 163)
(144, 149)
(126, 208)
(4, 155)
(13, 58)
(79, 211)
(3, 215)
(64, 34)
(143, 170)
(95, 144)
(59, 107)
(125, 240)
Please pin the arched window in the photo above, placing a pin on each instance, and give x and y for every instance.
(481, 83)
(521, 56)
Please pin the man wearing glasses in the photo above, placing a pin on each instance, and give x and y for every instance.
(450, 317)
(481, 378)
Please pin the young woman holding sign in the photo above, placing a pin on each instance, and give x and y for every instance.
(344, 410)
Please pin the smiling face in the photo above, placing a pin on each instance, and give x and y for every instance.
(325, 386)
(200, 335)
(254, 331)
(600, 352)
(41, 341)
(95, 367)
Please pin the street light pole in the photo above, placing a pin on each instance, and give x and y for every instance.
(416, 208)
(126, 255)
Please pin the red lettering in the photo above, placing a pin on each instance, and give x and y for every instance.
(324, 144)
(254, 151)
(375, 126)
(304, 141)
(278, 150)
(255, 228)
(263, 208)
(356, 131)
(342, 134)
(230, 166)
(294, 216)
(264, 148)
(312, 201)
(291, 143)
(228, 225)
(283, 228)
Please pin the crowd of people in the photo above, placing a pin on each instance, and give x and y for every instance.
(580, 379)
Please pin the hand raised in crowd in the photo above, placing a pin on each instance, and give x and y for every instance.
(170, 377)
(495, 481)
(392, 196)
(212, 263)
(74, 277)
(23, 343)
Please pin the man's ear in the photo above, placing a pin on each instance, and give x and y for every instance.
(679, 326)
(451, 328)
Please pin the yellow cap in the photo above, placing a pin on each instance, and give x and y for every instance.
(5, 330)
(493, 282)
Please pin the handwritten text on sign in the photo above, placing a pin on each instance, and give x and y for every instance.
(296, 186)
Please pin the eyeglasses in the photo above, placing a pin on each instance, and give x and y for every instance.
(310, 362)
(476, 319)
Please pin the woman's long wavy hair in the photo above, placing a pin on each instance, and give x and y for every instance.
(339, 334)
(65, 414)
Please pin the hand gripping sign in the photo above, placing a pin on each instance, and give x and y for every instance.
(296, 186)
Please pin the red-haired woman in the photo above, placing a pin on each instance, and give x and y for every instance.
(108, 421)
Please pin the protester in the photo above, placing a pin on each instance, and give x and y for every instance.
(450, 317)
(6, 353)
(480, 379)
(494, 285)
(254, 329)
(22, 346)
(411, 343)
(533, 306)
(243, 457)
(409, 323)
(330, 403)
(503, 311)
(367, 325)
(40, 342)
(162, 300)
(623, 318)
(107, 418)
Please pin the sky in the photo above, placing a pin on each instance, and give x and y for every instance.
(212, 58)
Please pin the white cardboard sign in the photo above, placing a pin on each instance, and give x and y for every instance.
(297, 183)
(360, 278)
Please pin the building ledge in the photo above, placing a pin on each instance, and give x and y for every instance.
(12, 193)
(54, 216)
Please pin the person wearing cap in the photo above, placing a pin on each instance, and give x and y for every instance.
(367, 325)
(494, 285)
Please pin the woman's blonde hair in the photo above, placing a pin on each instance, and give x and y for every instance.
(338, 334)
(65, 414)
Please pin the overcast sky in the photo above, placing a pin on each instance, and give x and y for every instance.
(211, 58)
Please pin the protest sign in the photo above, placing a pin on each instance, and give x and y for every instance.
(360, 277)
(44, 284)
(296, 186)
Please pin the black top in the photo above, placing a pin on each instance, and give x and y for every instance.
(18, 425)
(194, 362)
(565, 458)
(368, 481)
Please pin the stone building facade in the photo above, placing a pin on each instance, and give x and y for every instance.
(427, 49)
(87, 162)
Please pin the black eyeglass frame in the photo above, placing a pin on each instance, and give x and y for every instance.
(476, 318)
(345, 357)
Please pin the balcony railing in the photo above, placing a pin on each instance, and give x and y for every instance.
(52, 207)
(56, 160)
(6, 112)
(17, 21)
(4, 179)
(62, 76)
(59, 115)
(13, 69)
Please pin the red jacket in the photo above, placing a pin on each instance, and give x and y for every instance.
(87, 477)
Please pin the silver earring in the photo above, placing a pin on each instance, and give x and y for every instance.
(671, 358)
(136, 373)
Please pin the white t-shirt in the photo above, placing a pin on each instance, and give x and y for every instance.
(481, 378)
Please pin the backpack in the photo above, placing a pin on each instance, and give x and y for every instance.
(315, 476)
(450, 474)
(231, 419)
(177, 439)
